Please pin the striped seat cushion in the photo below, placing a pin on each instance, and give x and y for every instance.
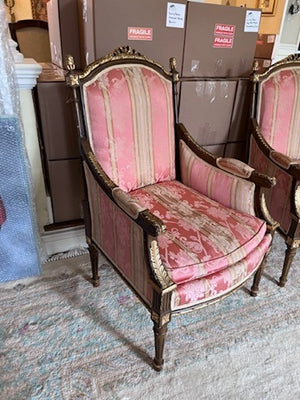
(278, 111)
(130, 125)
(203, 237)
(219, 283)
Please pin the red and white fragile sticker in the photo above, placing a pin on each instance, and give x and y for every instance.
(139, 33)
(223, 42)
(224, 30)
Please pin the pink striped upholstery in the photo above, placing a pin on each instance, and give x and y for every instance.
(278, 111)
(222, 282)
(225, 188)
(279, 196)
(203, 237)
(120, 239)
(130, 125)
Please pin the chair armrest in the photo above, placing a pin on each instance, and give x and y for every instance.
(283, 160)
(151, 224)
(147, 220)
(292, 166)
(228, 165)
(235, 167)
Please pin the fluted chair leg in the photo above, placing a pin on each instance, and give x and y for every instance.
(289, 256)
(257, 278)
(159, 337)
(94, 262)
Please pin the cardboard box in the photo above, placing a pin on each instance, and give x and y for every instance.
(155, 28)
(220, 41)
(263, 64)
(264, 46)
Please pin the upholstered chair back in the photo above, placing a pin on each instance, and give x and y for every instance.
(130, 124)
(278, 111)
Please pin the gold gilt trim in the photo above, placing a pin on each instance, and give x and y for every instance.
(173, 68)
(153, 220)
(261, 141)
(272, 224)
(121, 53)
(293, 243)
(158, 269)
(285, 62)
(100, 171)
(161, 321)
(72, 77)
(297, 201)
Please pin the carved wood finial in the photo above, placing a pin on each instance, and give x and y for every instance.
(69, 62)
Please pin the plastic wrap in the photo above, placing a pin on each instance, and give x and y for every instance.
(9, 97)
(19, 240)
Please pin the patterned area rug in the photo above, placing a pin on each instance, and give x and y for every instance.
(60, 338)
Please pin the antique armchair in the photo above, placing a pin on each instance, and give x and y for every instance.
(275, 147)
(182, 227)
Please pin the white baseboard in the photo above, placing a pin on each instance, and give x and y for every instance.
(63, 240)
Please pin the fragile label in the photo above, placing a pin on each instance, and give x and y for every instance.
(224, 42)
(138, 33)
(224, 30)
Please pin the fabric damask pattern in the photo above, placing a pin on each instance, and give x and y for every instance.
(202, 237)
(225, 188)
(128, 109)
(280, 124)
(213, 285)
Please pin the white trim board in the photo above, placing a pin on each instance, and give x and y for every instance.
(63, 240)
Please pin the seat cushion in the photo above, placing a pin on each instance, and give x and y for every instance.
(203, 237)
(220, 283)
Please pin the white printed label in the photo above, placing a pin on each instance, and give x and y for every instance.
(175, 15)
(252, 21)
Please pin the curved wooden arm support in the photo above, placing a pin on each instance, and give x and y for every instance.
(255, 177)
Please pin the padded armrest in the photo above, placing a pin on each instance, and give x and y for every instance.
(283, 160)
(235, 167)
(127, 203)
(149, 222)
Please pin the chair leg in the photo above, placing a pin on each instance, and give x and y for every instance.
(289, 256)
(257, 278)
(94, 262)
(159, 337)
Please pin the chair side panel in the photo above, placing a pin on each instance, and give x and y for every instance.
(278, 198)
(120, 239)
